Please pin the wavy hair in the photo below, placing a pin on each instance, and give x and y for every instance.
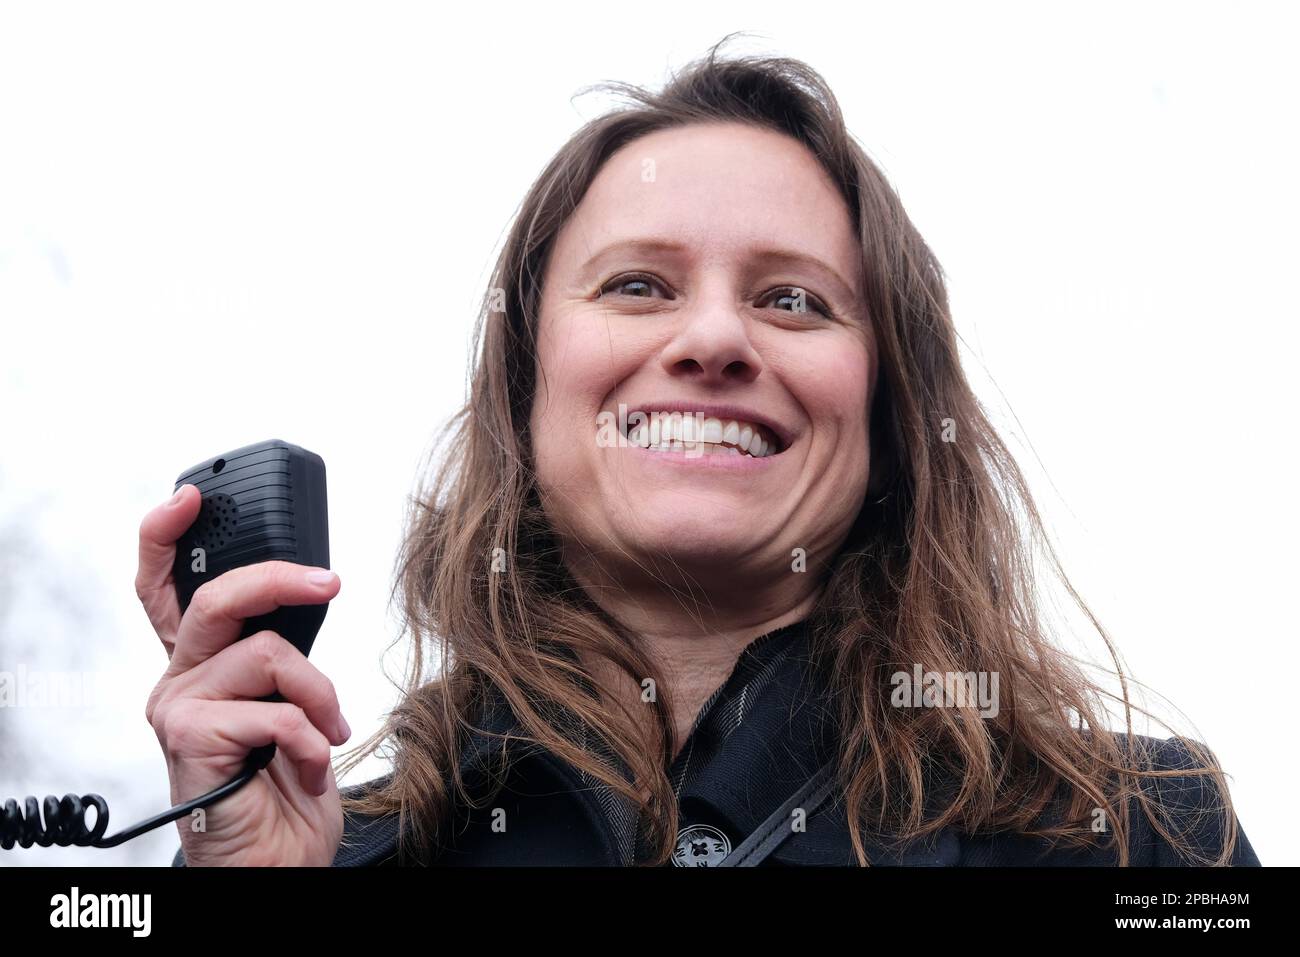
(938, 570)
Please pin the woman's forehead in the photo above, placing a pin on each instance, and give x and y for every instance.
(720, 192)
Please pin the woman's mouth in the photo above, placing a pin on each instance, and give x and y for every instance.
(698, 435)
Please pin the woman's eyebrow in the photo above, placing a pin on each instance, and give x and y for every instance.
(765, 254)
(644, 246)
(793, 257)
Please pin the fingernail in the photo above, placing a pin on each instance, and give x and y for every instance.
(344, 731)
(177, 497)
(321, 578)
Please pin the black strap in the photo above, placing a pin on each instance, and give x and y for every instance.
(772, 833)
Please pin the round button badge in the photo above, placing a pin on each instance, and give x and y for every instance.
(701, 846)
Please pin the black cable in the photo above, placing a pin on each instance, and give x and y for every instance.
(65, 821)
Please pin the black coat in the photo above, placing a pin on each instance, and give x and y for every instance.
(761, 736)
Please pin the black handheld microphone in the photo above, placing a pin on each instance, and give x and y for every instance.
(262, 502)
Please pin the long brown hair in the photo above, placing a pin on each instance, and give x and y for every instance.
(939, 570)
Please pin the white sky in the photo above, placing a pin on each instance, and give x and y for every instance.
(224, 224)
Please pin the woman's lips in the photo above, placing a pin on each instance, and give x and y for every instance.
(675, 430)
(695, 458)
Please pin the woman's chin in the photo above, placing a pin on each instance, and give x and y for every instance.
(695, 546)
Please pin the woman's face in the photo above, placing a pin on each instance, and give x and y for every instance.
(712, 270)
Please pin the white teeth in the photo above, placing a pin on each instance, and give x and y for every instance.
(675, 431)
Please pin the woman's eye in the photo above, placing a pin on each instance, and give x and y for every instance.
(642, 286)
(800, 301)
(636, 281)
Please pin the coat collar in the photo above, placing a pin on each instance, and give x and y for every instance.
(369, 841)
(799, 735)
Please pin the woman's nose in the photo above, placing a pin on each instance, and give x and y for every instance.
(712, 341)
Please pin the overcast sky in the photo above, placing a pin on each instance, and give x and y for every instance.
(222, 224)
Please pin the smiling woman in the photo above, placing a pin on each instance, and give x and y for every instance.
(670, 295)
(720, 489)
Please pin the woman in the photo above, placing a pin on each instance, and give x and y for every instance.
(725, 563)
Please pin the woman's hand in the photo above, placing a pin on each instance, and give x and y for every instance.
(204, 711)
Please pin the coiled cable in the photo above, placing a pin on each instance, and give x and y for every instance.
(65, 820)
